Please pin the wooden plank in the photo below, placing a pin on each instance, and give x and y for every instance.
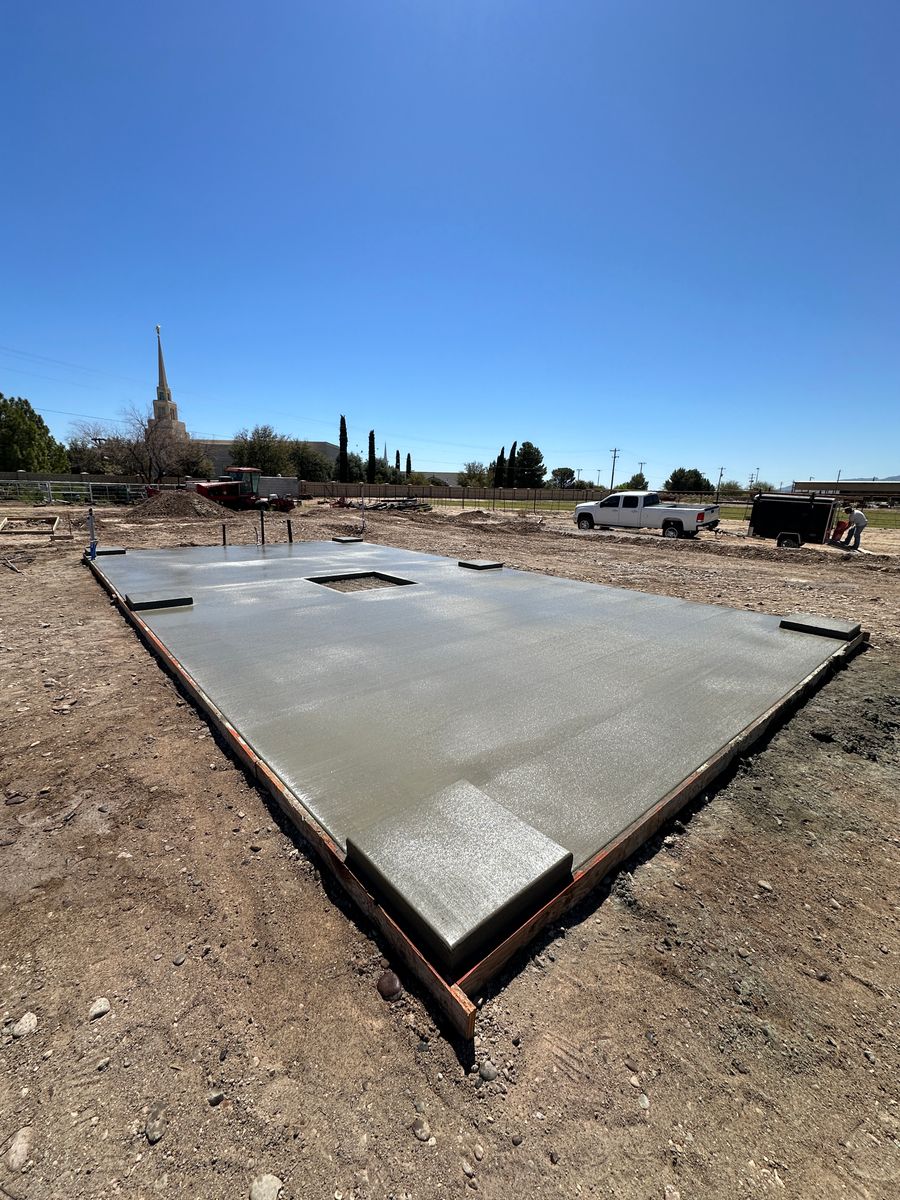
(452, 1001)
(591, 875)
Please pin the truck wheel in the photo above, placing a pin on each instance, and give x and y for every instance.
(585, 521)
(672, 531)
(788, 541)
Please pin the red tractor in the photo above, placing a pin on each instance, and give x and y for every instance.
(238, 488)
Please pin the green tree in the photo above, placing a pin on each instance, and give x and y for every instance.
(637, 483)
(264, 448)
(687, 479)
(561, 477)
(26, 443)
(408, 467)
(731, 487)
(190, 460)
(499, 469)
(311, 464)
(342, 451)
(356, 470)
(511, 467)
(530, 469)
(372, 462)
(473, 474)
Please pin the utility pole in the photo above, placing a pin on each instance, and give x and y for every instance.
(719, 482)
(598, 477)
(641, 466)
(615, 454)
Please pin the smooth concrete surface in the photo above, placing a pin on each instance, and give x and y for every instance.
(573, 706)
(827, 626)
(460, 868)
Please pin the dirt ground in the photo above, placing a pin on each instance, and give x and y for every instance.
(719, 1021)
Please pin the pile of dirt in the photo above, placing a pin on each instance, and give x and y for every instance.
(470, 515)
(179, 506)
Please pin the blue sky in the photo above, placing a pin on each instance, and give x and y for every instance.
(666, 227)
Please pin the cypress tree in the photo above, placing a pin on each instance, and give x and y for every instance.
(511, 466)
(397, 462)
(343, 471)
(370, 465)
(500, 469)
(408, 466)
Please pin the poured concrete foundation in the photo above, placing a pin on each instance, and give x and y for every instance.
(468, 736)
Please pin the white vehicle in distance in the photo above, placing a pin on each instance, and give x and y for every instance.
(645, 510)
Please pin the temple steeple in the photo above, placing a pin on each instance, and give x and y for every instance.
(163, 391)
(165, 411)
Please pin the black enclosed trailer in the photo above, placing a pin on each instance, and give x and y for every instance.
(792, 519)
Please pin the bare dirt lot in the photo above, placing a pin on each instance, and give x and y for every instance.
(720, 1020)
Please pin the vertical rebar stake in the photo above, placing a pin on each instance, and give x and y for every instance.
(92, 533)
(262, 526)
(290, 532)
(224, 538)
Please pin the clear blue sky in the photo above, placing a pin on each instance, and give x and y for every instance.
(668, 227)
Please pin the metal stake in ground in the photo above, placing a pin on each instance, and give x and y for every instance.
(262, 526)
(92, 533)
(290, 531)
(224, 538)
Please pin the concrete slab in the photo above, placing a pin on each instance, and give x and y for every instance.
(572, 707)
(480, 564)
(460, 868)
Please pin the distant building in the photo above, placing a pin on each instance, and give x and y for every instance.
(165, 411)
(852, 489)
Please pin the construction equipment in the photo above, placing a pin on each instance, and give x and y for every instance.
(238, 488)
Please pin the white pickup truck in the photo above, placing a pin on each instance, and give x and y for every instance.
(645, 510)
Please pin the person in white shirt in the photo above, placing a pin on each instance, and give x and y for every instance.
(858, 523)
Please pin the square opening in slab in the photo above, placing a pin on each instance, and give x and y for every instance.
(359, 581)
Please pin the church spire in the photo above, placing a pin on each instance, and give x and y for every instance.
(163, 391)
(164, 411)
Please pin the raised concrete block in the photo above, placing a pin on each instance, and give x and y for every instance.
(480, 564)
(139, 603)
(823, 626)
(459, 869)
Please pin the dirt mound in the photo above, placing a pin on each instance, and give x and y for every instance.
(470, 515)
(179, 506)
